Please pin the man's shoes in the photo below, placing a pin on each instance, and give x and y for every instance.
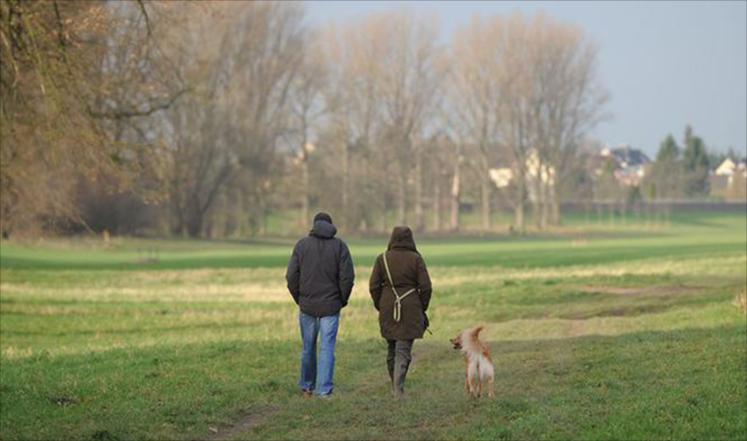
(307, 393)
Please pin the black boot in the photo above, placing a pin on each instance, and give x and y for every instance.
(390, 360)
(402, 358)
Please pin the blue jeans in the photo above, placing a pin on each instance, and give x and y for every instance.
(318, 376)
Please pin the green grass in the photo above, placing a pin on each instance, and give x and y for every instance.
(596, 334)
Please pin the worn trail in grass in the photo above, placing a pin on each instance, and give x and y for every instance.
(603, 338)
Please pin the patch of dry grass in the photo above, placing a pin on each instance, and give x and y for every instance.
(740, 301)
(721, 266)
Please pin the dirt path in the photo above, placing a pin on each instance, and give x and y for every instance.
(650, 291)
(578, 328)
(244, 424)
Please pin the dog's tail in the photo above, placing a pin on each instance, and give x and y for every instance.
(476, 331)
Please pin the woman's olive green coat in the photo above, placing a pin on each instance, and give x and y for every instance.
(408, 271)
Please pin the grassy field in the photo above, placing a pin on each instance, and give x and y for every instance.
(625, 334)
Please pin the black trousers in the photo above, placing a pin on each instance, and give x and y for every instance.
(398, 359)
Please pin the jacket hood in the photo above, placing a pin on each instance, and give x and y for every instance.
(323, 216)
(402, 238)
(323, 230)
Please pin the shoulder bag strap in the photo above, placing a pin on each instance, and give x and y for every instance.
(397, 297)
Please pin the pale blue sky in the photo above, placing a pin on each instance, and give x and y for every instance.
(665, 64)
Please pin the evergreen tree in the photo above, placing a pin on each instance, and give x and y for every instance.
(665, 177)
(696, 165)
(668, 150)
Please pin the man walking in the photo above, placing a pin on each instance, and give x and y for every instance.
(320, 278)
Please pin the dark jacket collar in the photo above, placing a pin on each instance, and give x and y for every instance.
(402, 239)
(323, 230)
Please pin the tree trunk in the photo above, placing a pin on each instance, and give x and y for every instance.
(543, 205)
(305, 187)
(179, 228)
(401, 200)
(649, 213)
(437, 205)
(194, 225)
(383, 198)
(587, 209)
(521, 195)
(519, 217)
(265, 220)
(384, 219)
(549, 202)
(537, 203)
(419, 217)
(456, 182)
(345, 179)
(554, 206)
(544, 194)
(485, 194)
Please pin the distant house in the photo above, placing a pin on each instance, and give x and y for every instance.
(726, 168)
(535, 171)
(728, 175)
(501, 177)
(628, 157)
(630, 164)
(729, 167)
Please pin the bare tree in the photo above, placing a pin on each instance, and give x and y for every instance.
(408, 87)
(479, 52)
(61, 120)
(353, 97)
(308, 106)
(226, 133)
(527, 89)
(567, 101)
(216, 108)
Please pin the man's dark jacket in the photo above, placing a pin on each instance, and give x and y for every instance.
(320, 272)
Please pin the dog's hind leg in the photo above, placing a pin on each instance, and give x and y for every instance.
(472, 382)
(478, 383)
(491, 388)
(475, 387)
(467, 377)
(473, 379)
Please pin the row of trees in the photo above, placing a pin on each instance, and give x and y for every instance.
(203, 119)
(76, 81)
(678, 172)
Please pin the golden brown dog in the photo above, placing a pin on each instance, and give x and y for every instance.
(478, 362)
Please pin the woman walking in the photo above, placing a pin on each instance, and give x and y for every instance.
(401, 290)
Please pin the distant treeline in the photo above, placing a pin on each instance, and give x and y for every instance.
(204, 118)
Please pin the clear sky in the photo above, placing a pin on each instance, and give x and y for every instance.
(665, 64)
